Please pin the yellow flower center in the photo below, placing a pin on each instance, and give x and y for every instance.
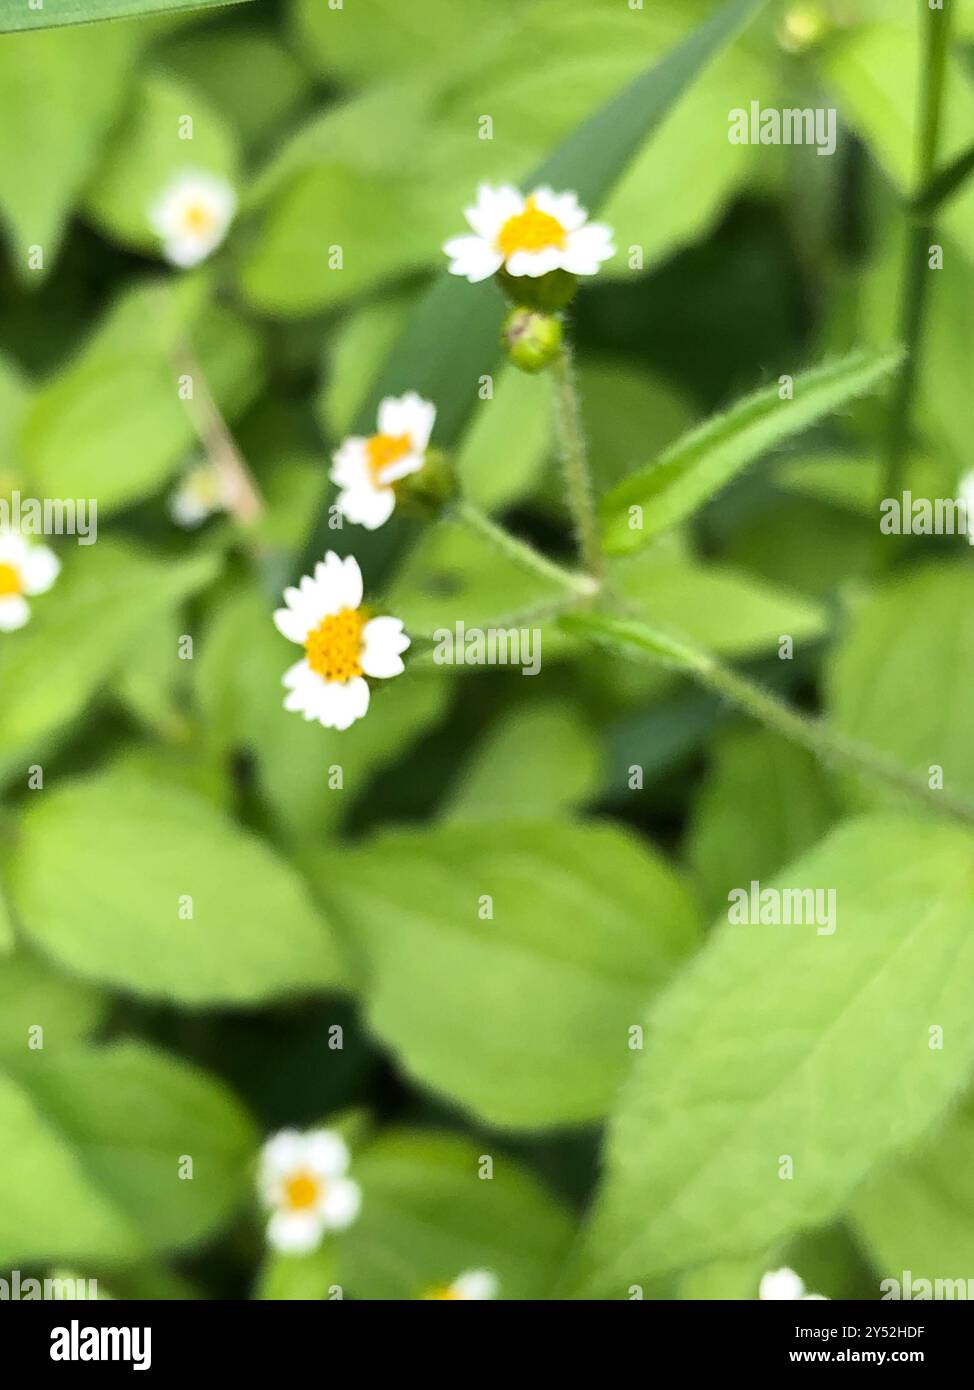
(9, 580)
(198, 219)
(302, 1191)
(445, 1293)
(530, 230)
(335, 645)
(383, 449)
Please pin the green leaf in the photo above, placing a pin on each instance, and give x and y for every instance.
(109, 867)
(780, 1041)
(790, 805)
(149, 150)
(112, 425)
(452, 338)
(32, 996)
(521, 1017)
(428, 1215)
(80, 632)
(902, 675)
(66, 90)
(15, 15)
(98, 1139)
(535, 762)
(13, 402)
(916, 1213)
(297, 1277)
(691, 471)
(508, 440)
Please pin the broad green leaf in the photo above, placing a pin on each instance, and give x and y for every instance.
(691, 471)
(788, 1041)
(790, 805)
(451, 340)
(354, 353)
(854, 483)
(522, 1016)
(15, 15)
(79, 633)
(98, 1141)
(150, 147)
(298, 1277)
(917, 1213)
(428, 1215)
(66, 91)
(901, 678)
(13, 402)
(109, 868)
(508, 440)
(536, 761)
(34, 996)
(112, 425)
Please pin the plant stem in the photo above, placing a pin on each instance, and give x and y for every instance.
(574, 462)
(915, 291)
(580, 585)
(214, 434)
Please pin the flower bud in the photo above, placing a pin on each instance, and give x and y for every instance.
(428, 491)
(549, 292)
(532, 339)
(804, 25)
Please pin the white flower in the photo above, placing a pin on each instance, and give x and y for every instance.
(342, 644)
(779, 1284)
(365, 469)
(303, 1181)
(25, 570)
(202, 492)
(192, 215)
(528, 236)
(474, 1284)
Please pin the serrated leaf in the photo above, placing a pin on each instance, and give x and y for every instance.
(696, 467)
(780, 1040)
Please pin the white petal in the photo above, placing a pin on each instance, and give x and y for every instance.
(370, 507)
(587, 249)
(13, 548)
(563, 207)
(475, 1284)
(401, 468)
(342, 702)
(14, 612)
(473, 257)
(282, 1154)
(350, 591)
(295, 676)
(327, 1153)
(350, 465)
(494, 207)
(780, 1284)
(342, 1204)
(39, 570)
(382, 641)
(295, 1232)
(292, 624)
(408, 414)
(535, 263)
(185, 252)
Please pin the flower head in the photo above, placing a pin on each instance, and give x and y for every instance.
(366, 469)
(342, 644)
(25, 570)
(202, 492)
(192, 215)
(303, 1182)
(779, 1284)
(530, 236)
(473, 1284)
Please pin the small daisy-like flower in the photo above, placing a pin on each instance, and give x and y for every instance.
(342, 644)
(202, 492)
(303, 1180)
(474, 1284)
(528, 236)
(366, 469)
(25, 570)
(191, 216)
(780, 1284)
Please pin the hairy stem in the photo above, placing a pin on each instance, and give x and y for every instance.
(574, 462)
(524, 555)
(246, 503)
(915, 290)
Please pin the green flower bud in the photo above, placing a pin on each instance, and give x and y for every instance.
(532, 340)
(804, 25)
(429, 490)
(549, 292)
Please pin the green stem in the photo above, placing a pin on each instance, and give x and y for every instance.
(574, 461)
(915, 292)
(580, 585)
